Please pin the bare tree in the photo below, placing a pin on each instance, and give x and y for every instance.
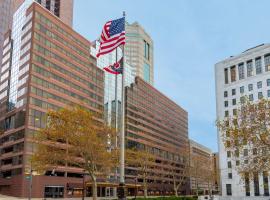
(143, 160)
(180, 171)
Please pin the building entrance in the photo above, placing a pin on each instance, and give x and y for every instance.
(54, 192)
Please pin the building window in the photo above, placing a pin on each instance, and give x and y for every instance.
(260, 95)
(246, 161)
(236, 153)
(242, 89)
(258, 65)
(230, 175)
(268, 82)
(254, 151)
(234, 112)
(226, 113)
(228, 154)
(237, 163)
(229, 189)
(268, 93)
(247, 187)
(146, 72)
(250, 87)
(226, 76)
(265, 184)
(229, 164)
(233, 73)
(242, 99)
(146, 50)
(226, 103)
(259, 85)
(241, 72)
(249, 68)
(233, 91)
(234, 102)
(267, 62)
(245, 152)
(256, 184)
(250, 97)
(225, 94)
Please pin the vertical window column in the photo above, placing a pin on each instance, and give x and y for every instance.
(265, 184)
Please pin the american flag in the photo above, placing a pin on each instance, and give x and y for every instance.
(112, 36)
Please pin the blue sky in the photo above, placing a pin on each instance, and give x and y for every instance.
(190, 36)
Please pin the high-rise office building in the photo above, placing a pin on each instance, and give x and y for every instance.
(139, 52)
(113, 85)
(156, 124)
(7, 9)
(46, 65)
(61, 8)
(238, 77)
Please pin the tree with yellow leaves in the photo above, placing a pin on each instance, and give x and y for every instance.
(143, 160)
(73, 136)
(246, 135)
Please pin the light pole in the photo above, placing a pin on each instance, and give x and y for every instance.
(83, 191)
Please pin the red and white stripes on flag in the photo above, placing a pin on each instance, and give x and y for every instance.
(112, 36)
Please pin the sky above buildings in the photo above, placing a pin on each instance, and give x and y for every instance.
(190, 36)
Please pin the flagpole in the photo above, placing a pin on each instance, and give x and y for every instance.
(122, 193)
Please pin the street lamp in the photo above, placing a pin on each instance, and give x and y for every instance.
(83, 191)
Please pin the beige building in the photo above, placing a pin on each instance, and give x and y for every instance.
(202, 169)
(139, 52)
(216, 172)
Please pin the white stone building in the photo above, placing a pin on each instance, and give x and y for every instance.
(244, 75)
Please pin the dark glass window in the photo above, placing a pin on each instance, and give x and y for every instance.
(225, 94)
(226, 76)
(260, 95)
(241, 72)
(249, 68)
(267, 62)
(259, 85)
(250, 97)
(242, 89)
(265, 184)
(233, 91)
(258, 65)
(250, 87)
(247, 187)
(229, 189)
(268, 82)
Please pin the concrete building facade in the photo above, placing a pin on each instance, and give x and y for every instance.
(46, 65)
(139, 52)
(238, 77)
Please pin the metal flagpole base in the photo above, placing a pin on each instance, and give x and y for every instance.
(122, 192)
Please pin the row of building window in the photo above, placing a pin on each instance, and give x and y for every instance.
(249, 69)
(242, 99)
(250, 88)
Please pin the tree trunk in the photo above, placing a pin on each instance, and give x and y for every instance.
(175, 191)
(94, 187)
(144, 188)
